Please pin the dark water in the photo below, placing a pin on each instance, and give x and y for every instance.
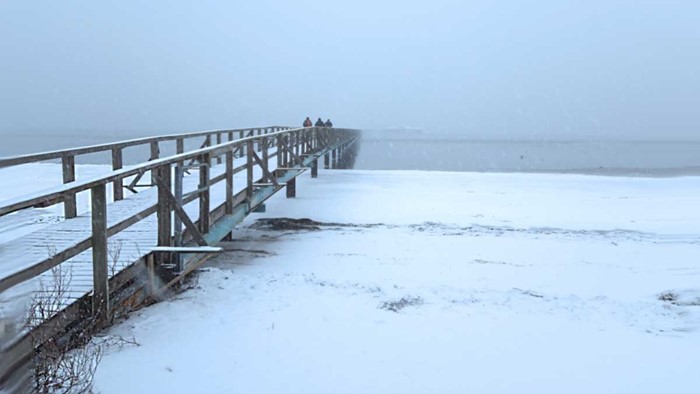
(603, 157)
(436, 154)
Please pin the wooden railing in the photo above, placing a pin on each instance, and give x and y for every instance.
(68, 156)
(295, 150)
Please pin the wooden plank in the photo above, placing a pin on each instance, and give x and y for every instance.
(188, 249)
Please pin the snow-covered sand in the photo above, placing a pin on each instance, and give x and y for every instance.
(428, 282)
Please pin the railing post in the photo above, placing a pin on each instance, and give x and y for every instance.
(229, 188)
(265, 157)
(296, 145)
(218, 142)
(70, 208)
(240, 137)
(279, 150)
(164, 210)
(100, 279)
(155, 154)
(178, 192)
(179, 146)
(204, 162)
(117, 164)
(249, 172)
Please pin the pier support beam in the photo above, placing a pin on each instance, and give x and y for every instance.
(291, 188)
(326, 161)
(314, 168)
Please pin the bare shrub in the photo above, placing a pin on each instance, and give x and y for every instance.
(61, 365)
(114, 250)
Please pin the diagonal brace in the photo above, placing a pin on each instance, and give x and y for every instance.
(295, 157)
(264, 168)
(180, 212)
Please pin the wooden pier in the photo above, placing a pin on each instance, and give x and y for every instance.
(162, 219)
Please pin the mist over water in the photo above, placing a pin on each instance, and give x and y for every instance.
(434, 152)
(643, 158)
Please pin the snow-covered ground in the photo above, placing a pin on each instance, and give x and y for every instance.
(428, 282)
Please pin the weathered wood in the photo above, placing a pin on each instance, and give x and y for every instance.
(188, 249)
(155, 155)
(291, 189)
(229, 188)
(178, 194)
(265, 159)
(117, 164)
(249, 169)
(278, 143)
(165, 203)
(81, 245)
(263, 166)
(218, 142)
(204, 196)
(100, 274)
(179, 146)
(61, 193)
(168, 201)
(314, 168)
(70, 208)
(57, 154)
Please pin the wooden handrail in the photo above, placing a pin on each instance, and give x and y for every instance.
(58, 154)
(57, 194)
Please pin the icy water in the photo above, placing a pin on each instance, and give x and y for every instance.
(647, 158)
(657, 158)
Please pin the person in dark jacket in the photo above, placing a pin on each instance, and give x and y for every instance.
(329, 123)
(307, 122)
(320, 123)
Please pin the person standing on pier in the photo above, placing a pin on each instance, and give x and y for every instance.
(320, 123)
(307, 122)
(329, 123)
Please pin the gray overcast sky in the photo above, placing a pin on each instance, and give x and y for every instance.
(507, 68)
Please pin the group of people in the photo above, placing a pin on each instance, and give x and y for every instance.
(319, 123)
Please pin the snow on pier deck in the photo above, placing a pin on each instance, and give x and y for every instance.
(28, 237)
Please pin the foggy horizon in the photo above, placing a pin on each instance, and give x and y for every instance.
(602, 70)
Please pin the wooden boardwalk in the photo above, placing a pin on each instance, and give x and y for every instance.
(126, 249)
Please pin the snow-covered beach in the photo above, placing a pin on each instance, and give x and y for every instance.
(437, 282)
